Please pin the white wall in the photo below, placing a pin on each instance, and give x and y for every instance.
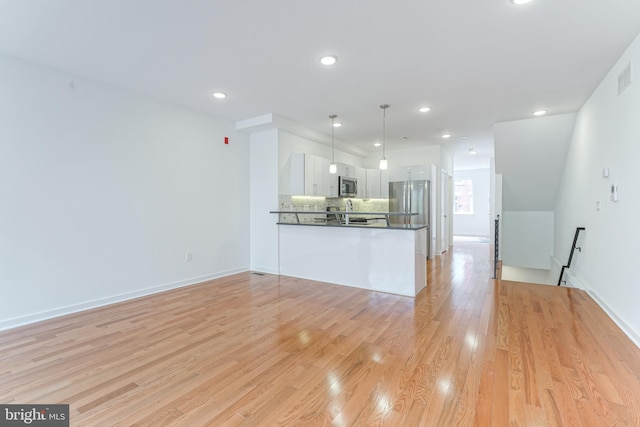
(102, 193)
(528, 275)
(446, 161)
(476, 224)
(264, 198)
(527, 239)
(530, 155)
(607, 134)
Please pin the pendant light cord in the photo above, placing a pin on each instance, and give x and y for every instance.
(333, 128)
(384, 128)
(384, 131)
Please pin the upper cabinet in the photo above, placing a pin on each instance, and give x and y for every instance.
(361, 176)
(322, 176)
(346, 170)
(333, 184)
(410, 173)
(397, 174)
(316, 177)
(377, 184)
(384, 184)
(309, 175)
(372, 188)
(297, 169)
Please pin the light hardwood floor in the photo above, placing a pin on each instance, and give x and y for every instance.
(268, 350)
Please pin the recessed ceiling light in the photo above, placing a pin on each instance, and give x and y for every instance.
(446, 135)
(424, 109)
(472, 151)
(328, 60)
(337, 125)
(540, 113)
(520, 1)
(377, 144)
(219, 95)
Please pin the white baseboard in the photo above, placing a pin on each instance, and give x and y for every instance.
(267, 270)
(62, 311)
(573, 280)
(617, 320)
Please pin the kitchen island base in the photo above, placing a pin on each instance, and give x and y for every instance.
(382, 259)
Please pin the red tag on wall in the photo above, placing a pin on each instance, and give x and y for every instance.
(226, 140)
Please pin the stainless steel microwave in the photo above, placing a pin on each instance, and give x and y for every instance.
(347, 186)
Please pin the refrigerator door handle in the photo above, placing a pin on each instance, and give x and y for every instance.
(407, 219)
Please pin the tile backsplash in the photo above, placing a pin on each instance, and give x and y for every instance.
(362, 205)
(320, 204)
(302, 204)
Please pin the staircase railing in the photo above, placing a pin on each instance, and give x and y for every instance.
(496, 242)
(573, 248)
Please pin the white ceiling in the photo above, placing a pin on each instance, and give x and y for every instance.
(474, 62)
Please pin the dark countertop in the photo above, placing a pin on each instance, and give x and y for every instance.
(356, 225)
(357, 219)
(344, 213)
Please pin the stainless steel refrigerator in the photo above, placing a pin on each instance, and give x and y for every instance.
(411, 197)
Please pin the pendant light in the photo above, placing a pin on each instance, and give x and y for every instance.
(333, 168)
(383, 161)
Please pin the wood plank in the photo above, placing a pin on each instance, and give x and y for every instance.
(266, 350)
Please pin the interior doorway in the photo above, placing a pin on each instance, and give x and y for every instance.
(444, 217)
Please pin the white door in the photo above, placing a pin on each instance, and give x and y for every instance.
(444, 224)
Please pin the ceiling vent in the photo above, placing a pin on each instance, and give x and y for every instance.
(624, 79)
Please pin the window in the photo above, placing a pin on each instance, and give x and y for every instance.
(463, 197)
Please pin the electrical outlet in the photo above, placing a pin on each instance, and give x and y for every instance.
(188, 256)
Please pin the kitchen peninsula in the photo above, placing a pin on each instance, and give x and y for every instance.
(380, 256)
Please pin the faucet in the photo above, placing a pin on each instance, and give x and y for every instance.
(348, 207)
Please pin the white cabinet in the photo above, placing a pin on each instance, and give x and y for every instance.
(310, 187)
(361, 176)
(346, 170)
(418, 172)
(297, 171)
(384, 184)
(372, 190)
(309, 175)
(410, 173)
(321, 176)
(399, 174)
(333, 185)
(377, 184)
